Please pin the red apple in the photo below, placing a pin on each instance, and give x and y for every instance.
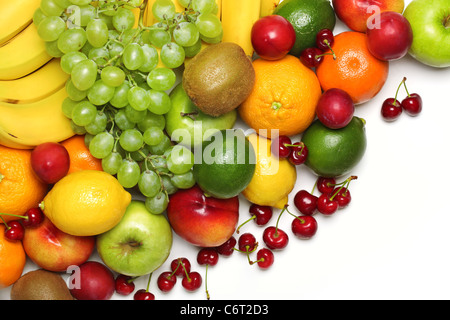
(92, 281)
(354, 13)
(202, 220)
(55, 250)
(50, 161)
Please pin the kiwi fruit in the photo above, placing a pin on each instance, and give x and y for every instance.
(219, 78)
(40, 285)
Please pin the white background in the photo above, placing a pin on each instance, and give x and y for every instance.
(392, 242)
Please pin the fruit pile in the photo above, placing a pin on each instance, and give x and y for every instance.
(117, 129)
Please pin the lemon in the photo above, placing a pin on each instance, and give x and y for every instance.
(273, 179)
(86, 203)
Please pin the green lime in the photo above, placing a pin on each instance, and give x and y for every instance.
(307, 17)
(335, 152)
(225, 164)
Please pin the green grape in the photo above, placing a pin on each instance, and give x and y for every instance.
(67, 107)
(159, 164)
(51, 8)
(101, 145)
(83, 113)
(209, 25)
(186, 34)
(152, 120)
(98, 125)
(184, 3)
(151, 58)
(131, 140)
(134, 115)
(77, 129)
(172, 55)
(138, 98)
(160, 102)
(193, 50)
(69, 60)
(153, 136)
(50, 28)
(84, 74)
(157, 204)
(112, 76)
(63, 3)
(111, 163)
(161, 79)
(123, 20)
(121, 120)
(149, 183)
(163, 9)
(73, 92)
(161, 147)
(115, 49)
(129, 173)
(184, 180)
(203, 6)
(133, 56)
(87, 139)
(120, 98)
(99, 55)
(108, 21)
(159, 37)
(97, 33)
(100, 93)
(212, 40)
(83, 15)
(80, 2)
(168, 186)
(38, 16)
(72, 40)
(180, 160)
(52, 49)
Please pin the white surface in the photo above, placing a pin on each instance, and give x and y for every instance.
(390, 243)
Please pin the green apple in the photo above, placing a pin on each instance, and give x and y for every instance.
(430, 22)
(139, 244)
(189, 126)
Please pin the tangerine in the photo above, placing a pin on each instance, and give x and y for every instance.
(12, 259)
(284, 97)
(355, 70)
(80, 156)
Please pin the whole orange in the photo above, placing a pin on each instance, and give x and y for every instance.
(284, 97)
(12, 259)
(20, 188)
(355, 69)
(80, 156)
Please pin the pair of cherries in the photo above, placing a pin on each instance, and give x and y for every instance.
(283, 147)
(312, 57)
(15, 230)
(392, 108)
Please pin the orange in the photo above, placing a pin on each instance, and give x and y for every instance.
(80, 156)
(355, 69)
(20, 188)
(284, 97)
(12, 260)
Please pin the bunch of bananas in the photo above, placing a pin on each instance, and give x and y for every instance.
(32, 83)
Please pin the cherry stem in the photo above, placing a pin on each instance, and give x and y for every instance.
(278, 220)
(248, 252)
(398, 88)
(404, 84)
(148, 282)
(328, 45)
(253, 217)
(314, 186)
(185, 271)
(345, 183)
(4, 222)
(13, 215)
(206, 283)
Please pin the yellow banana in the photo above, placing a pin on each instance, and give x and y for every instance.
(25, 126)
(238, 18)
(15, 16)
(36, 86)
(267, 7)
(23, 54)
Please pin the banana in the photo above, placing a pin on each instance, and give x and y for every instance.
(238, 18)
(36, 86)
(267, 7)
(24, 126)
(15, 16)
(22, 54)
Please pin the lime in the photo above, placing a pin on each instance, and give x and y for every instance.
(225, 164)
(307, 17)
(335, 152)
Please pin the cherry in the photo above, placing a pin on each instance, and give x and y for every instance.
(207, 256)
(166, 281)
(124, 284)
(142, 294)
(391, 109)
(265, 258)
(342, 196)
(326, 205)
(14, 231)
(275, 238)
(179, 265)
(227, 248)
(412, 104)
(247, 242)
(305, 202)
(324, 39)
(281, 146)
(304, 227)
(311, 57)
(260, 214)
(299, 153)
(192, 281)
(33, 217)
(326, 185)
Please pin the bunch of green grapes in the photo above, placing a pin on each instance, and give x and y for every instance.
(117, 89)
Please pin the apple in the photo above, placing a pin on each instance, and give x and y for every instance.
(54, 250)
(139, 244)
(392, 38)
(92, 281)
(430, 23)
(189, 126)
(354, 13)
(202, 220)
(50, 161)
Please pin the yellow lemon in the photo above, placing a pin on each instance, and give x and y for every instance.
(273, 179)
(86, 203)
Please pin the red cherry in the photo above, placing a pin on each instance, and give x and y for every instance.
(299, 154)
(391, 109)
(311, 57)
(326, 205)
(281, 146)
(14, 231)
(326, 185)
(124, 284)
(412, 104)
(143, 294)
(177, 266)
(192, 281)
(342, 196)
(305, 202)
(166, 281)
(33, 217)
(265, 258)
(275, 238)
(262, 214)
(304, 227)
(207, 256)
(324, 39)
(247, 242)
(227, 248)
